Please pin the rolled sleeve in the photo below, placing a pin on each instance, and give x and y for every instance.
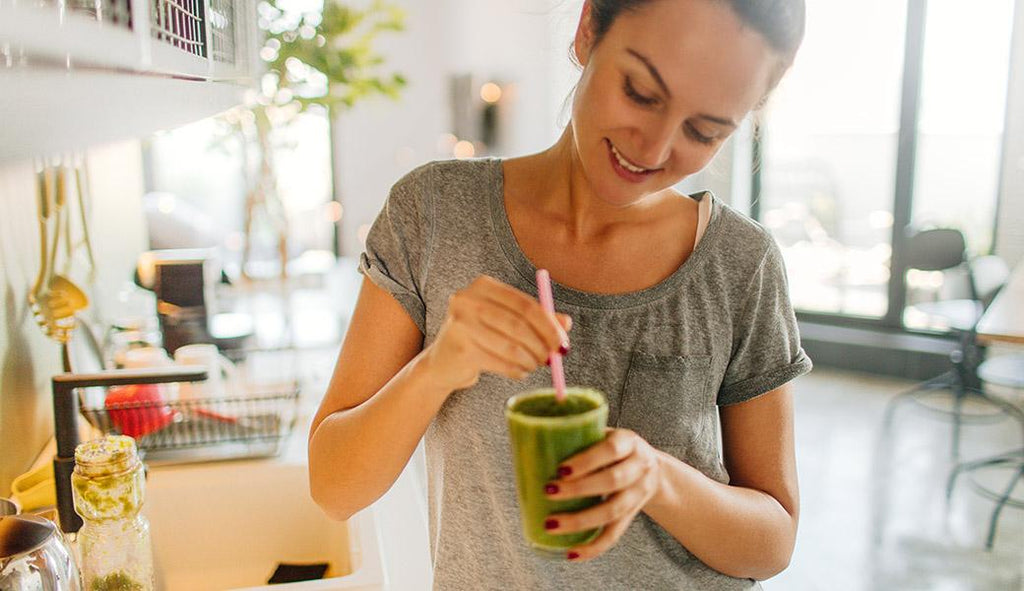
(397, 251)
(766, 340)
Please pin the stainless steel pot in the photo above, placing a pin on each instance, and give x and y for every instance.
(34, 556)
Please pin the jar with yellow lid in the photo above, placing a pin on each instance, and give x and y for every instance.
(108, 486)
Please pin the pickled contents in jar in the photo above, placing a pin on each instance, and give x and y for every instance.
(108, 480)
(116, 581)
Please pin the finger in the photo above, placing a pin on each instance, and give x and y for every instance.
(547, 328)
(614, 478)
(517, 328)
(602, 543)
(616, 446)
(499, 347)
(616, 507)
(496, 364)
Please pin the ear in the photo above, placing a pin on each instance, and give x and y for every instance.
(584, 40)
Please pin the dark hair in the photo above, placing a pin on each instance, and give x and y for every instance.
(780, 22)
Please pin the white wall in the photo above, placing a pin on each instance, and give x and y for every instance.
(519, 42)
(378, 141)
(1010, 228)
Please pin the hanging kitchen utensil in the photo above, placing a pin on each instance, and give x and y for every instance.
(43, 216)
(81, 186)
(60, 298)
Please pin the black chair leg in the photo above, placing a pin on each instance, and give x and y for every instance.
(999, 507)
(958, 404)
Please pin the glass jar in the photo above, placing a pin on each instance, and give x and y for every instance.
(108, 487)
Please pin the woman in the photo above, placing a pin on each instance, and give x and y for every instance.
(677, 307)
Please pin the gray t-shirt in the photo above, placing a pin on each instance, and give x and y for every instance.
(719, 330)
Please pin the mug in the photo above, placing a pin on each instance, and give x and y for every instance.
(149, 357)
(222, 381)
(140, 357)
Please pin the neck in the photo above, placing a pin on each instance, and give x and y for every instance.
(563, 192)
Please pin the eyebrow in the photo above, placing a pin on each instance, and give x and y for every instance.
(651, 69)
(664, 87)
(718, 120)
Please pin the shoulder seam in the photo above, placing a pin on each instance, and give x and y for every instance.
(749, 293)
(432, 223)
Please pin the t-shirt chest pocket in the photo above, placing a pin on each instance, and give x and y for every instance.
(665, 398)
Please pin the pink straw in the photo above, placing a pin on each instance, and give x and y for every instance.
(548, 301)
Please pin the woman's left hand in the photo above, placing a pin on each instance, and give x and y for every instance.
(626, 469)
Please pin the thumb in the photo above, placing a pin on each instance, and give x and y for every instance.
(566, 321)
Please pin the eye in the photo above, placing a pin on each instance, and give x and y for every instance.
(698, 136)
(635, 96)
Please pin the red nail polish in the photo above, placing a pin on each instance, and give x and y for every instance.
(551, 488)
(547, 362)
(564, 470)
(563, 350)
(551, 524)
(573, 555)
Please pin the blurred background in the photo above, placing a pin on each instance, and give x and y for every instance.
(258, 140)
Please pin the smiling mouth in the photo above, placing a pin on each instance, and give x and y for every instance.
(627, 164)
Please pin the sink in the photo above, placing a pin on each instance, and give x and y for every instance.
(227, 525)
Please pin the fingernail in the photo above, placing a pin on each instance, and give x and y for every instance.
(563, 349)
(551, 489)
(564, 470)
(551, 524)
(572, 555)
(547, 362)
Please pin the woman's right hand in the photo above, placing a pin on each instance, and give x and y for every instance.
(491, 326)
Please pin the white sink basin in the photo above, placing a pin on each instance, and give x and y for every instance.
(227, 525)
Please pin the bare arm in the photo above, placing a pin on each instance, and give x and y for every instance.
(386, 388)
(746, 528)
(377, 407)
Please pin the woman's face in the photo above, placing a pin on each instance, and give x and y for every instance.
(661, 92)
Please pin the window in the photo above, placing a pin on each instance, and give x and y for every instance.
(837, 182)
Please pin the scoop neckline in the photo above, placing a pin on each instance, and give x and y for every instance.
(568, 295)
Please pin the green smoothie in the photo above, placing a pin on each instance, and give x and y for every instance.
(543, 433)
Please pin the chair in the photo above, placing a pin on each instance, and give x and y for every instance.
(1007, 371)
(944, 249)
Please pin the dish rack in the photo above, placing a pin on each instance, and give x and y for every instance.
(254, 425)
(172, 430)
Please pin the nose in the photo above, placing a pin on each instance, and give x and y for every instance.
(655, 143)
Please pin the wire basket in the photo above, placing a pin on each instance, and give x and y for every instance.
(180, 23)
(254, 425)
